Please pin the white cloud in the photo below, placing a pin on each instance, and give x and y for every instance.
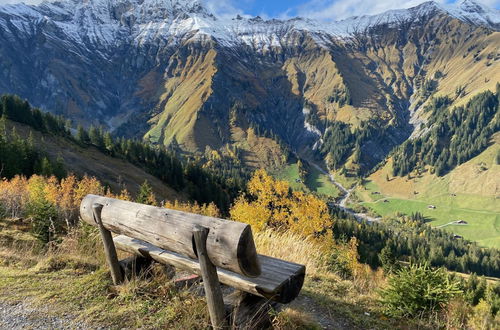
(222, 7)
(6, 2)
(334, 10)
(491, 3)
(328, 10)
(318, 9)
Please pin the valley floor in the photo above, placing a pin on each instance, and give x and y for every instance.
(470, 194)
(479, 225)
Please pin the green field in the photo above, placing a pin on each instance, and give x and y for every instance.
(315, 181)
(482, 214)
(483, 226)
(469, 193)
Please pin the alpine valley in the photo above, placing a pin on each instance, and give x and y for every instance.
(400, 108)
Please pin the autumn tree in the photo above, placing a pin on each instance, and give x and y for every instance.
(42, 212)
(272, 204)
(209, 210)
(14, 196)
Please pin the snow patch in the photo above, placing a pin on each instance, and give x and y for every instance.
(111, 23)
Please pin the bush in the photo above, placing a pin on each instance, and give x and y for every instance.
(457, 313)
(344, 259)
(417, 289)
(482, 318)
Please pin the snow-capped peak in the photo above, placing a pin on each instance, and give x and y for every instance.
(108, 22)
(475, 13)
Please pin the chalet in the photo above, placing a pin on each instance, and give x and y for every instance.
(431, 207)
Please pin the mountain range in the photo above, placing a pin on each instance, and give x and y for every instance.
(174, 73)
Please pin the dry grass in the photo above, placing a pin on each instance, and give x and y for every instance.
(72, 277)
(292, 319)
(338, 298)
(291, 247)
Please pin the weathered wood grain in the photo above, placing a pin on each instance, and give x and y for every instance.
(230, 244)
(109, 246)
(213, 292)
(280, 280)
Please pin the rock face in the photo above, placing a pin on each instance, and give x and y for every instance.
(169, 70)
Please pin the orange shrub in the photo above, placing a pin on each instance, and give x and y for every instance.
(14, 196)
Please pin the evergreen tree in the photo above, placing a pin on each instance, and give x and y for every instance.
(146, 195)
(109, 144)
(82, 136)
(388, 259)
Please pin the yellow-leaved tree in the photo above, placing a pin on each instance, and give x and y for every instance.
(209, 210)
(272, 204)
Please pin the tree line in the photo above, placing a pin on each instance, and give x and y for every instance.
(340, 142)
(202, 185)
(20, 156)
(409, 238)
(455, 136)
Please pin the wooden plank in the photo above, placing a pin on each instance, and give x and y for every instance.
(272, 284)
(230, 244)
(109, 246)
(213, 292)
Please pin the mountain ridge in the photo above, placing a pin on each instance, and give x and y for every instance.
(179, 18)
(179, 75)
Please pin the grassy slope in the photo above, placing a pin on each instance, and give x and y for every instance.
(74, 281)
(112, 171)
(181, 98)
(315, 181)
(256, 151)
(476, 185)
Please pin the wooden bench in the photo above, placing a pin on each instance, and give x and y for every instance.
(221, 251)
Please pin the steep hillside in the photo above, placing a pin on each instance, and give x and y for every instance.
(112, 171)
(196, 80)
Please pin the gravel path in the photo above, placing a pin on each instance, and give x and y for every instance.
(21, 315)
(319, 314)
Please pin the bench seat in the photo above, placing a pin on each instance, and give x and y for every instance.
(280, 280)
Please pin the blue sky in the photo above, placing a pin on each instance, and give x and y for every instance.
(317, 9)
(320, 9)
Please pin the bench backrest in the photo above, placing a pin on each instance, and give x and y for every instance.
(230, 244)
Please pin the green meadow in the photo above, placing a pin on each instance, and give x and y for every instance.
(480, 213)
(315, 181)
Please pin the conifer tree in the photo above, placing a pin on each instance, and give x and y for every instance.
(146, 195)
(81, 135)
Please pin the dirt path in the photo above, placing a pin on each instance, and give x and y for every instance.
(22, 315)
(319, 314)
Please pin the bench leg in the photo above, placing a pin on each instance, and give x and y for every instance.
(109, 246)
(211, 283)
(134, 266)
(248, 311)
